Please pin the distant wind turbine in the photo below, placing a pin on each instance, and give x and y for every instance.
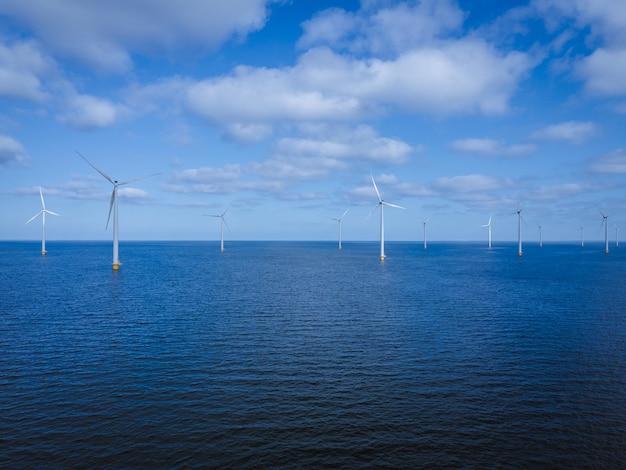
(381, 204)
(43, 213)
(424, 222)
(582, 237)
(616, 236)
(488, 225)
(114, 206)
(339, 220)
(540, 240)
(519, 229)
(222, 223)
(605, 222)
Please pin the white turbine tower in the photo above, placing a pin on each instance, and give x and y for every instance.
(43, 213)
(114, 206)
(488, 225)
(540, 240)
(222, 223)
(381, 204)
(424, 222)
(605, 222)
(616, 236)
(582, 237)
(519, 229)
(339, 221)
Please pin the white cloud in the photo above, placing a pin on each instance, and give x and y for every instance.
(612, 162)
(490, 147)
(469, 183)
(21, 66)
(104, 35)
(362, 143)
(132, 193)
(88, 112)
(560, 191)
(11, 152)
(383, 32)
(604, 71)
(603, 23)
(573, 132)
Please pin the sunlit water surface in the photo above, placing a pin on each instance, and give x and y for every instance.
(297, 355)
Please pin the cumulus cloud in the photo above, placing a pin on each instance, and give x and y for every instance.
(602, 22)
(573, 132)
(560, 191)
(489, 147)
(21, 66)
(104, 35)
(612, 162)
(88, 112)
(469, 183)
(11, 152)
(383, 31)
(362, 143)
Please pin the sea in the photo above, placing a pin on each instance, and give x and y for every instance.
(296, 355)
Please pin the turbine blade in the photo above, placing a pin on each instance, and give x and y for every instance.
(110, 208)
(33, 217)
(376, 188)
(52, 213)
(344, 214)
(226, 210)
(137, 179)
(226, 223)
(392, 205)
(373, 210)
(43, 204)
(96, 168)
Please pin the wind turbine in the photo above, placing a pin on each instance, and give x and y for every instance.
(424, 222)
(605, 221)
(582, 237)
(43, 213)
(222, 223)
(540, 240)
(488, 225)
(616, 236)
(114, 206)
(519, 229)
(339, 220)
(381, 204)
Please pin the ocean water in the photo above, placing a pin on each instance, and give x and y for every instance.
(296, 355)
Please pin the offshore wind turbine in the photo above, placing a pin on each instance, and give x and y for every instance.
(488, 225)
(424, 222)
(519, 229)
(605, 221)
(582, 237)
(222, 223)
(616, 236)
(114, 206)
(339, 220)
(540, 240)
(381, 204)
(43, 213)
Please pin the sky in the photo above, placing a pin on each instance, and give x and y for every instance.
(282, 111)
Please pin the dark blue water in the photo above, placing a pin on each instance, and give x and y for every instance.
(296, 355)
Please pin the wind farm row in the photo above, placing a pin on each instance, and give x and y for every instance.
(381, 203)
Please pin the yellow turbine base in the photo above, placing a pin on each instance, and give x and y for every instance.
(519, 254)
(43, 252)
(116, 266)
(382, 258)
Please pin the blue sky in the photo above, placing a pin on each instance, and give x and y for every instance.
(459, 109)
